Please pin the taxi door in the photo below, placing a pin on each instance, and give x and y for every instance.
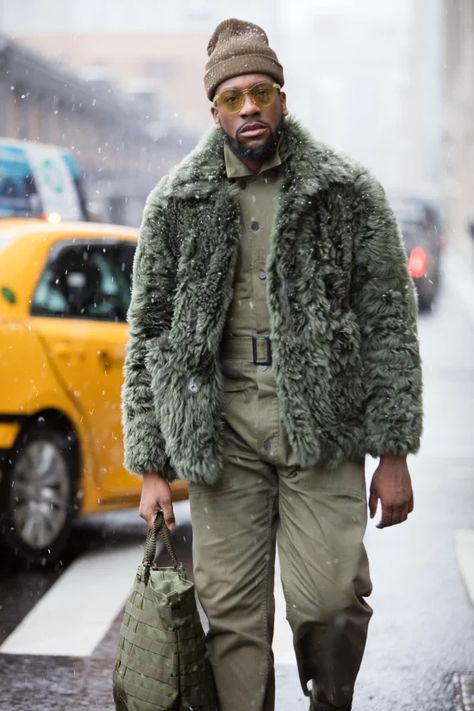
(79, 310)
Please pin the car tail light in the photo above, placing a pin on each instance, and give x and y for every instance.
(417, 263)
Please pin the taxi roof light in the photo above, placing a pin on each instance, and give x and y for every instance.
(53, 217)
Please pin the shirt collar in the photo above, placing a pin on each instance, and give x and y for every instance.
(236, 169)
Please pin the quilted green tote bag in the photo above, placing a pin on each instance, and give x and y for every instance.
(161, 662)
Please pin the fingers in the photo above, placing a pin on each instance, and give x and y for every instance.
(386, 518)
(404, 514)
(168, 515)
(148, 514)
(392, 515)
(373, 501)
(156, 496)
(164, 504)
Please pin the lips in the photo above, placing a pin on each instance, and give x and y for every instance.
(253, 130)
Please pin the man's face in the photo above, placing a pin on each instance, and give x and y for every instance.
(251, 129)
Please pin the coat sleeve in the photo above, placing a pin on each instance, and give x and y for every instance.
(384, 300)
(149, 315)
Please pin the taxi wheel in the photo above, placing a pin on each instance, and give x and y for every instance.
(38, 492)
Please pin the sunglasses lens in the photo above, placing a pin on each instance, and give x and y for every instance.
(263, 94)
(231, 101)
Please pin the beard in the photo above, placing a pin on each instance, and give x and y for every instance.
(257, 153)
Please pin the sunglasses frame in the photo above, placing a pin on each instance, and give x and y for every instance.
(273, 85)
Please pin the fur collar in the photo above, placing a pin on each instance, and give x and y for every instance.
(309, 165)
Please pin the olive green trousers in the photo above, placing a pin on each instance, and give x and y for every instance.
(317, 518)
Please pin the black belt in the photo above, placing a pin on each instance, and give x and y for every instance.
(256, 349)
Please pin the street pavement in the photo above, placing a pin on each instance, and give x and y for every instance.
(58, 628)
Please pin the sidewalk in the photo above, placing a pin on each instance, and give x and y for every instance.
(458, 277)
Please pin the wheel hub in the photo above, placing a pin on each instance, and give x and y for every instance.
(40, 493)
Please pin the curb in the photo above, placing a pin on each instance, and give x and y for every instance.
(463, 692)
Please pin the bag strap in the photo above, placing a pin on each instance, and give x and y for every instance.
(161, 530)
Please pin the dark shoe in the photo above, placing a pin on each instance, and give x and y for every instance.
(321, 706)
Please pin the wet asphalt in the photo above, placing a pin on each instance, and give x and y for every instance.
(420, 652)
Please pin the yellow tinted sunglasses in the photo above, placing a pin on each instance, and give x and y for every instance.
(262, 94)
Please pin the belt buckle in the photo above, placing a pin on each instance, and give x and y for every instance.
(262, 350)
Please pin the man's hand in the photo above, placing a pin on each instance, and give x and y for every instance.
(156, 496)
(391, 484)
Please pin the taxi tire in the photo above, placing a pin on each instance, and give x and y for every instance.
(65, 444)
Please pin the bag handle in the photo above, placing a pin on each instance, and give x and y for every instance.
(161, 530)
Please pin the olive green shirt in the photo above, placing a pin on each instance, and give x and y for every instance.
(251, 407)
(258, 195)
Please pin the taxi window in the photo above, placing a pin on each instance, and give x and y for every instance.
(86, 281)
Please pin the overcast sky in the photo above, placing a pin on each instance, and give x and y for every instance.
(48, 16)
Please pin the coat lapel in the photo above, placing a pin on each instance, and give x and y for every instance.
(210, 234)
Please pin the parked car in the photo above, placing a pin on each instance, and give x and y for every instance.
(64, 294)
(40, 180)
(422, 228)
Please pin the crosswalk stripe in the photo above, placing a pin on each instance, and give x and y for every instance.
(74, 615)
(465, 554)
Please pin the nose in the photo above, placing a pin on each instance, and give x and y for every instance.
(249, 108)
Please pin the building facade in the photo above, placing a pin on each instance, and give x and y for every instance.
(112, 139)
(459, 119)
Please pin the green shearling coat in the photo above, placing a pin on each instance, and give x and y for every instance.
(342, 308)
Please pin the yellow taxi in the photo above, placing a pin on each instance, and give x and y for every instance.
(64, 294)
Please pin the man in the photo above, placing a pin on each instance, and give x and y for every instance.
(273, 345)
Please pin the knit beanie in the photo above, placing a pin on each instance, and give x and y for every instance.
(238, 47)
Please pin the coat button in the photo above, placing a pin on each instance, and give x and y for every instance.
(262, 275)
(267, 445)
(193, 386)
(255, 225)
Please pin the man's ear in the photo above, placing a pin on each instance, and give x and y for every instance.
(283, 103)
(215, 116)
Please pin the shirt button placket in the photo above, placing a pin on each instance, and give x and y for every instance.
(267, 445)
